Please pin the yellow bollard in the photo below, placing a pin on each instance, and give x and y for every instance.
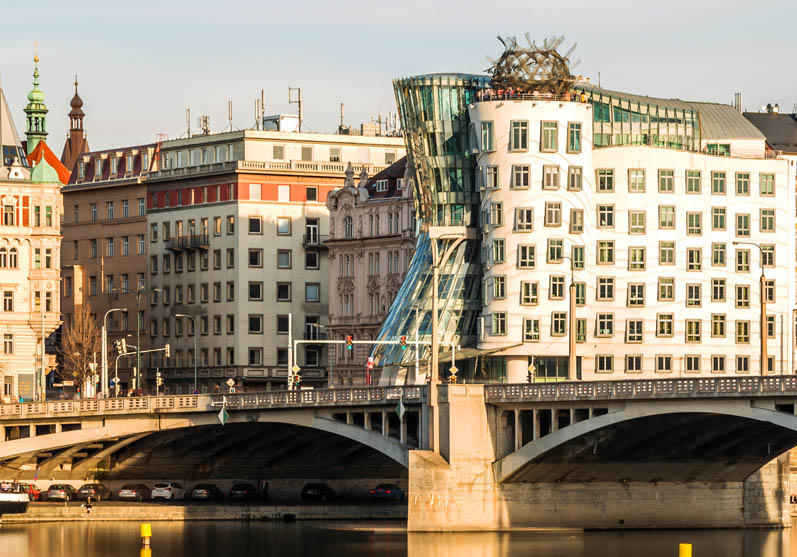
(146, 552)
(684, 550)
(146, 534)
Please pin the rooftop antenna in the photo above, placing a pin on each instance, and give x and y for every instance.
(188, 120)
(599, 80)
(298, 101)
(262, 106)
(204, 124)
(257, 112)
(229, 113)
(341, 114)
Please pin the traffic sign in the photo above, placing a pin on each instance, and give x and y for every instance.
(230, 382)
(296, 369)
(400, 409)
(223, 416)
(93, 366)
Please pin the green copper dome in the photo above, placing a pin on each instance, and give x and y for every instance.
(35, 112)
(36, 95)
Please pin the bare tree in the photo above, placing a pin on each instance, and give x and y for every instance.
(81, 340)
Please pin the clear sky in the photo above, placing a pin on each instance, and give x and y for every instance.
(142, 63)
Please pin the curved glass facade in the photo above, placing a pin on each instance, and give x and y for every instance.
(434, 117)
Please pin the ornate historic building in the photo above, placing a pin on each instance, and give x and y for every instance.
(372, 240)
(30, 242)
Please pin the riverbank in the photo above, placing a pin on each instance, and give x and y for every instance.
(179, 511)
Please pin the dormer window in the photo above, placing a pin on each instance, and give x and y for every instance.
(399, 183)
(381, 185)
(81, 169)
(129, 164)
(114, 165)
(144, 162)
(97, 168)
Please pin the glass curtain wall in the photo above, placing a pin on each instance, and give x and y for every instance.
(434, 116)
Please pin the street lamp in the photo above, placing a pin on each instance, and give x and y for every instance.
(137, 375)
(104, 335)
(196, 355)
(763, 326)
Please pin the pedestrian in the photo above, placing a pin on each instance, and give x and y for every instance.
(87, 506)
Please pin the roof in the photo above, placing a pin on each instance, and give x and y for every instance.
(9, 140)
(43, 151)
(779, 129)
(392, 173)
(122, 172)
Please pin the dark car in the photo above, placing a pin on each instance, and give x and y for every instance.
(133, 492)
(206, 492)
(243, 492)
(387, 491)
(97, 492)
(60, 492)
(320, 492)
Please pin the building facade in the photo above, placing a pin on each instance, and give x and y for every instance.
(30, 241)
(104, 245)
(371, 243)
(236, 228)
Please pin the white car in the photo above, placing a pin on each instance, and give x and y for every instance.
(171, 491)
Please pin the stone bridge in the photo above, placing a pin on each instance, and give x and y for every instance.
(685, 452)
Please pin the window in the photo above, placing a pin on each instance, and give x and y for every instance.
(742, 332)
(574, 137)
(581, 293)
(633, 363)
(491, 177)
(694, 224)
(636, 259)
(667, 216)
(230, 258)
(742, 296)
(605, 216)
(767, 255)
(556, 288)
(497, 214)
(283, 226)
(577, 221)
(550, 177)
(663, 363)
(769, 290)
(255, 225)
(694, 259)
(255, 356)
(230, 290)
(767, 184)
(575, 176)
(742, 260)
(577, 257)
(555, 250)
(499, 287)
(548, 136)
(8, 300)
(605, 290)
(553, 213)
(283, 291)
(8, 344)
(666, 289)
(605, 180)
(311, 193)
(664, 325)
(693, 295)
(529, 293)
(498, 250)
(520, 176)
(692, 181)
(525, 256)
(604, 363)
(717, 290)
(311, 260)
(531, 330)
(256, 257)
(605, 252)
(558, 323)
(381, 185)
(718, 364)
(743, 225)
(217, 259)
(488, 137)
(717, 325)
(604, 325)
(633, 330)
(94, 214)
(742, 364)
(742, 183)
(666, 180)
(636, 294)
(581, 329)
(255, 324)
(636, 180)
(255, 291)
(524, 219)
(718, 255)
(110, 206)
(519, 135)
(767, 220)
(718, 183)
(693, 330)
(718, 218)
(499, 323)
(636, 222)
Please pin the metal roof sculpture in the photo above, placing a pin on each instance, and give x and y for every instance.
(536, 69)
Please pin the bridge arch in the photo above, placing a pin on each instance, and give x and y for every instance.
(708, 440)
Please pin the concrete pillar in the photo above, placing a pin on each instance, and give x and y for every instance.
(554, 419)
(535, 415)
(367, 422)
(517, 369)
(58, 427)
(385, 426)
(572, 416)
(423, 431)
(349, 417)
(518, 430)
(403, 430)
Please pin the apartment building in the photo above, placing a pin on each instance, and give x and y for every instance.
(371, 243)
(104, 244)
(237, 224)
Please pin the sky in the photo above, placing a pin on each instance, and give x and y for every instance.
(141, 64)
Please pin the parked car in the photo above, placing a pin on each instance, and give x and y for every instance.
(318, 491)
(133, 492)
(170, 491)
(97, 492)
(206, 492)
(60, 492)
(387, 491)
(34, 493)
(243, 492)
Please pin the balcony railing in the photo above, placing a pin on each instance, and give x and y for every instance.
(192, 242)
(314, 240)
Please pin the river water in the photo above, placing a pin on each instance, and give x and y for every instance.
(332, 539)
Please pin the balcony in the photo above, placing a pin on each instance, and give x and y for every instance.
(188, 243)
(312, 333)
(315, 241)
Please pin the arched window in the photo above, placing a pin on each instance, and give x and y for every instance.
(348, 227)
(12, 258)
(3, 258)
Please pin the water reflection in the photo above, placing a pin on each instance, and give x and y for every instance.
(235, 539)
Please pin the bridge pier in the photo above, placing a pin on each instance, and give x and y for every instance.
(457, 490)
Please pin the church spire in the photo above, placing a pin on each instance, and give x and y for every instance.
(36, 111)
(76, 143)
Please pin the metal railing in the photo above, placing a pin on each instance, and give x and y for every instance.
(360, 396)
(486, 96)
(314, 240)
(193, 241)
(645, 389)
(90, 406)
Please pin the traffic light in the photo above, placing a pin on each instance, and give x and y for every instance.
(121, 345)
(168, 351)
(349, 343)
(158, 379)
(403, 342)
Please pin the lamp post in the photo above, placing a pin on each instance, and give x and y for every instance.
(193, 321)
(104, 335)
(763, 325)
(571, 325)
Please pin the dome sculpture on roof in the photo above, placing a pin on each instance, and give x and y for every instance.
(532, 69)
(76, 103)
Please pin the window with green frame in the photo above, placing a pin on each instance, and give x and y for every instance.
(549, 136)
(574, 137)
(488, 137)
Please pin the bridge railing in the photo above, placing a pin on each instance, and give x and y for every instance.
(636, 389)
(413, 394)
(102, 406)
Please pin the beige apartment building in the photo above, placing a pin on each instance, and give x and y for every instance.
(104, 245)
(371, 243)
(237, 224)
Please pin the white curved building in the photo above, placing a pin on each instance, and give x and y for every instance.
(646, 197)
